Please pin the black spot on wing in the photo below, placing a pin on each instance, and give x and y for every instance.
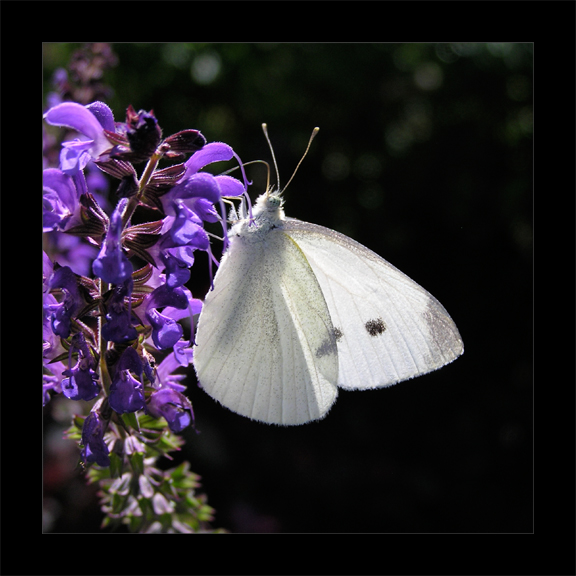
(375, 327)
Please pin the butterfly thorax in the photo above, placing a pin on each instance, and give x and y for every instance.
(266, 215)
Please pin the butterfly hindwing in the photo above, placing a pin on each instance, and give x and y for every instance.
(265, 342)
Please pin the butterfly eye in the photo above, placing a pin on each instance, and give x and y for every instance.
(274, 202)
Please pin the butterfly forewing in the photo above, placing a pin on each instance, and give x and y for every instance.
(388, 328)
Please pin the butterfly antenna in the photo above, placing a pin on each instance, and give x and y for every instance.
(265, 130)
(314, 132)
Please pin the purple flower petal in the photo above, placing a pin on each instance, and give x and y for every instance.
(194, 307)
(186, 229)
(177, 272)
(62, 313)
(165, 331)
(173, 406)
(213, 152)
(126, 393)
(60, 200)
(229, 186)
(197, 186)
(95, 449)
(82, 382)
(183, 352)
(63, 184)
(204, 209)
(75, 155)
(81, 119)
(103, 114)
(183, 254)
(118, 326)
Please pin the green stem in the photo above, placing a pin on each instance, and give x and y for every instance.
(142, 183)
(102, 343)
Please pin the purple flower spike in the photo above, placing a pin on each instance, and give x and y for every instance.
(111, 264)
(95, 449)
(173, 406)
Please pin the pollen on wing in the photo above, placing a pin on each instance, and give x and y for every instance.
(375, 327)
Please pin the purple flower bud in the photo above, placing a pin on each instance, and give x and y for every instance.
(173, 406)
(143, 135)
(111, 264)
(95, 449)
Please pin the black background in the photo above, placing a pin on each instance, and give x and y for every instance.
(425, 156)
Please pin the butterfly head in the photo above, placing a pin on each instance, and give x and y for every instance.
(269, 206)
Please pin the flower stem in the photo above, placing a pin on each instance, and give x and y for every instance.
(102, 343)
(142, 183)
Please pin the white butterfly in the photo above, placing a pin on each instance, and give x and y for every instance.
(298, 310)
